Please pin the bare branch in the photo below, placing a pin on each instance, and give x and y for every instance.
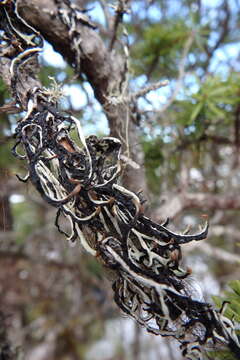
(224, 26)
(10, 108)
(183, 200)
(181, 72)
(215, 252)
(120, 10)
(106, 13)
(145, 90)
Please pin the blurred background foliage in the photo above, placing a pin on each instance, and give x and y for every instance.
(58, 301)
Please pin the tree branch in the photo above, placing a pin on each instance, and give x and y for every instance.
(181, 73)
(206, 202)
(215, 252)
(102, 68)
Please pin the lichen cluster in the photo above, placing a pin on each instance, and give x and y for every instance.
(81, 178)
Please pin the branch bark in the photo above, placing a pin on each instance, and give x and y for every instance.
(184, 200)
(214, 252)
(104, 71)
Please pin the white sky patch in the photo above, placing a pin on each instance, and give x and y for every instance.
(226, 53)
(208, 283)
(212, 3)
(232, 50)
(139, 81)
(157, 98)
(61, 76)
(77, 96)
(154, 13)
(96, 121)
(51, 57)
(196, 175)
(190, 220)
(96, 13)
(89, 89)
(192, 84)
(16, 198)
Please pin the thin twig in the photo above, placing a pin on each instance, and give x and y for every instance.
(105, 12)
(181, 73)
(120, 9)
(151, 87)
(215, 252)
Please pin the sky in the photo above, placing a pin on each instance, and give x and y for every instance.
(159, 97)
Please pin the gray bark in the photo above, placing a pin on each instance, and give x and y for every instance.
(102, 68)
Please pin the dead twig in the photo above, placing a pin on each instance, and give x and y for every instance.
(120, 10)
(181, 73)
(147, 89)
